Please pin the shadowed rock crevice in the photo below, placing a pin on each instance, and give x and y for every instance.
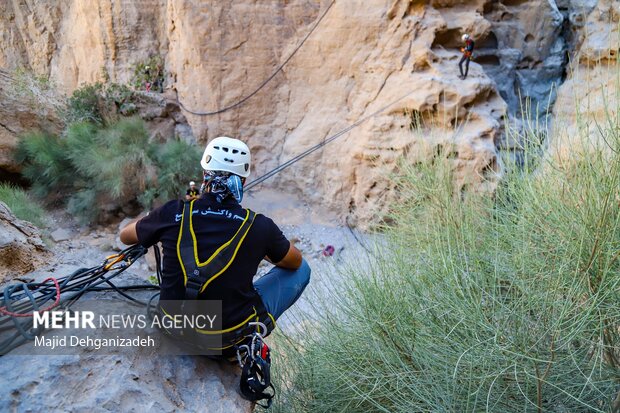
(532, 51)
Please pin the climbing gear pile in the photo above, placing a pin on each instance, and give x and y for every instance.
(255, 361)
(19, 301)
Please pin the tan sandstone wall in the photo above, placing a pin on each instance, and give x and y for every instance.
(364, 55)
(589, 97)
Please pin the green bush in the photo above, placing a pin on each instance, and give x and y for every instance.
(98, 169)
(176, 164)
(151, 70)
(83, 104)
(36, 91)
(100, 103)
(22, 204)
(508, 304)
(45, 164)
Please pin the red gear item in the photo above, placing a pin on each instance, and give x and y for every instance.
(264, 351)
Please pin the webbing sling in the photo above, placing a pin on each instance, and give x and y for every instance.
(198, 275)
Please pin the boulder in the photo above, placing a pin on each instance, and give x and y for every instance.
(60, 235)
(21, 247)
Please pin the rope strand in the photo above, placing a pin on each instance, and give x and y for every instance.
(264, 83)
(309, 151)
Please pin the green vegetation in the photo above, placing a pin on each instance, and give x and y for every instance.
(100, 103)
(103, 162)
(34, 90)
(151, 70)
(97, 169)
(504, 304)
(176, 161)
(22, 204)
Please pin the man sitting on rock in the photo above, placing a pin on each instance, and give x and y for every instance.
(214, 221)
(192, 193)
(467, 51)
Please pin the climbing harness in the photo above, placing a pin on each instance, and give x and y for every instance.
(245, 339)
(264, 83)
(198, 275)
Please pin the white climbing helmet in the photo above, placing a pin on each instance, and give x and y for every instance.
(228, 155)
(465, 37)
(192, 183)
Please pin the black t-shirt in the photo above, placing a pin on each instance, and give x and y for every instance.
(214, 224)
(192, 192)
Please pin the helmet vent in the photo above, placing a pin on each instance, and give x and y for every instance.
(216, 147)
(225, 149)
(228, 160)
(243, 153)
(235, 150)
(247, 166)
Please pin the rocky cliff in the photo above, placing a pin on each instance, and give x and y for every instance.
(21, 248)
(363, 56)
(589, 96)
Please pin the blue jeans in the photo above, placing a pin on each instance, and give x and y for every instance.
(280, 288)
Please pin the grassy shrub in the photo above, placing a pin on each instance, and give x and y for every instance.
(177, 163)
(22, 204)
(35, 91)
(45, 164)
(100, 103)
(105, 169)
(500, 305)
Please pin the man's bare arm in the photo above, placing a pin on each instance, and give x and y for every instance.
(129, 235)
(291, 261)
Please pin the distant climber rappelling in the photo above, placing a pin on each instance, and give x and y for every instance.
(468, 51)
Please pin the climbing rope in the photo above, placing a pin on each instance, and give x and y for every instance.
(264, 83)
(318, 146)
(18, 302)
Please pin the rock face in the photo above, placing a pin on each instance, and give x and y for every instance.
(25, 105)
(364, 56)
(21, 247)
(592, 84)
(140, 382)
(341, 74)
(526, 52)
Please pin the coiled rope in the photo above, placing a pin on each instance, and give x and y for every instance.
(19, 301)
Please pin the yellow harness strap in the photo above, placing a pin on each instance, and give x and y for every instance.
(198, 275)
